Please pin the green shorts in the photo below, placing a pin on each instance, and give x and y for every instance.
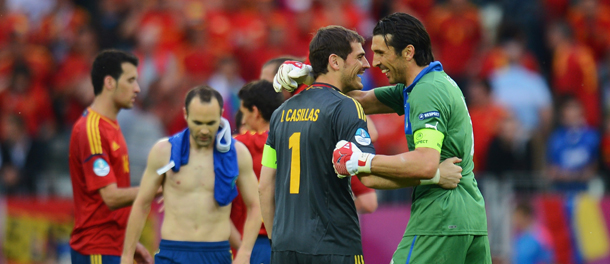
(460, 249)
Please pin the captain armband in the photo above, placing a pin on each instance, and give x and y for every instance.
(428, 138)
(269, 157)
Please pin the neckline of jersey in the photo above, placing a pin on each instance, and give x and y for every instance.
(114, 123)
(320, 84)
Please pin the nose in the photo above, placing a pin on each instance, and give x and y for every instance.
(136, 88)
(366, 64)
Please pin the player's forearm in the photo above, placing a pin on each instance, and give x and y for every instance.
(382, 183)
(366, 203)
(251, 228)
(267, 207)
(135, 225)
(235, 237)
(121, 197)
(408, 165)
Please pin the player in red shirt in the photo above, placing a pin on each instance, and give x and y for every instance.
(258, 101)
(99, 165)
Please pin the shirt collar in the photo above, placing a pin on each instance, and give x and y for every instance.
(434, 66)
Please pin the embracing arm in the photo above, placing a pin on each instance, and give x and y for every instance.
(420, 164)
(247, 184)
(370, 103)
(149, 185)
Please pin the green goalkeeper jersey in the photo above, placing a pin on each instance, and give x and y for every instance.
(434, 101)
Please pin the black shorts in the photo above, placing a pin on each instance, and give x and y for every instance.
(291, 257)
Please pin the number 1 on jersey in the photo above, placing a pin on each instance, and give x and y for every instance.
(294, 143)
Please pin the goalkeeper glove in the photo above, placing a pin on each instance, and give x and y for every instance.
(348, 159)
(291, 74)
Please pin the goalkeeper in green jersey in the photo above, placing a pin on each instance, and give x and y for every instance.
(446, 226)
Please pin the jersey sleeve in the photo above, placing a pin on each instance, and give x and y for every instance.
(350, 124)
(358, 188)
(392, 96)
(94, 155)
(429, 108)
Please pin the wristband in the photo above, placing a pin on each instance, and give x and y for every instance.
(434, 179)
(364, 163)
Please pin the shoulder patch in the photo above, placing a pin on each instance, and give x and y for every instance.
(100, 167)
(430, 114)
(362, 137)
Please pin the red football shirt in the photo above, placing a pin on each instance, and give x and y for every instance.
(98, 157)
(358, 188)
(255, 142)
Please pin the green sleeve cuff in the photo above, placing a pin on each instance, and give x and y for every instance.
(269, 157)
(428, 138)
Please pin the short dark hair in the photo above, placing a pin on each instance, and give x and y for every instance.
(262, 95)
(238, 117)
(331, 40)
(204, 93)
(406, 30)
(108, 62)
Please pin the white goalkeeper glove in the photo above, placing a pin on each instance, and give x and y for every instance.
(291, 74)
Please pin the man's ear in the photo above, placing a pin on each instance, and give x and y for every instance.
(334, 62)
(408, 52)
(256, 111)
(109, 82)
(184, 112)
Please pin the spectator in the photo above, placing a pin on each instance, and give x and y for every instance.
(23, 158)
(509, 151)
(605, 153)
(72, 83)
(30, 100)
(531, 241)
(497, 58)
(604, 84)
(590, 21)
(156, 63)
(227, 82)
(455, 26)
(522, 91)
(572, 149)
(574, 71)
(486, 118)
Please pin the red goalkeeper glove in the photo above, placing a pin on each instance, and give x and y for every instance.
(348, 159)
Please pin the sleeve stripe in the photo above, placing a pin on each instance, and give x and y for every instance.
(97, 140)
(93, 133)
(361, 114)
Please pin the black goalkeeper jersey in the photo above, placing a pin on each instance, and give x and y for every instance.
(314, 209)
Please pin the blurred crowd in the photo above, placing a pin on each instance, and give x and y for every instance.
(535, 75)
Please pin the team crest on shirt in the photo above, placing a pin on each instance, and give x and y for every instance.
(362, 137)
(100, 167)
